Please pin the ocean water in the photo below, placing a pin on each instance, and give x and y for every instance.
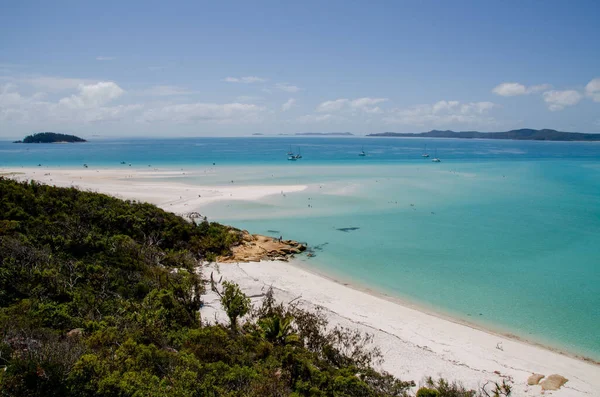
(502, 234)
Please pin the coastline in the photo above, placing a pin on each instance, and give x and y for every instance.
(432, 311)
(414, 343)
(444, 351)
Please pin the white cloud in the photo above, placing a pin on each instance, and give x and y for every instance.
(514, 89)
(332, 106)
(101, 58)
(246, 79)
(288, 105)
(592, 89)
(84, 107)
(443, 113)
(93, 95)
(205, 112)
(287, 87)
(558, 100)
(365, 104)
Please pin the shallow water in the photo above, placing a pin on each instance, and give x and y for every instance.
(500, 233)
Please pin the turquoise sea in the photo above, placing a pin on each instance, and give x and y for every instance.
(502, 234)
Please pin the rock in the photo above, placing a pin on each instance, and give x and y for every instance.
(75, 333)
(553, 382)
(534, 379)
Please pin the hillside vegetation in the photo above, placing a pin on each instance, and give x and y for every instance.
(51, 137)
(101, 297)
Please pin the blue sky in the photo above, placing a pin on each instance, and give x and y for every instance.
(138, 68)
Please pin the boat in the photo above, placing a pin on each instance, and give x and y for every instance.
(435, 158)
(425, 154)
(292, 158)
(362, 152)
(290, 153)
(299, 155)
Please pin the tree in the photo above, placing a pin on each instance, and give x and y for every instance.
(278, 330)
(235, 303)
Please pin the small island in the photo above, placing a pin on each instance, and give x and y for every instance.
(51, 137)
(525, 134)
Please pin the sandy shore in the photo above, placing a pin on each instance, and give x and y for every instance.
(142, 185)
(414, 344)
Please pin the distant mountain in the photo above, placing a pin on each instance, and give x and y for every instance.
(50, 137)
(525, 134)
(325, 133)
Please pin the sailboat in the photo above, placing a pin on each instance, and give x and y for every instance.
(435, 158)
(299, 155)
(362, 152)
(425, 154)
(290, 153)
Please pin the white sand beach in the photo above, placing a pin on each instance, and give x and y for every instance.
(414, 344)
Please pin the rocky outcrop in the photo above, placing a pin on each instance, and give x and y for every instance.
(534, 379)
(553, 382)
(255, 247)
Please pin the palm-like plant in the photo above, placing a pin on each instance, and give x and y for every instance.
(278, 331)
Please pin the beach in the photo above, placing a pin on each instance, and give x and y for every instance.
(414, 343)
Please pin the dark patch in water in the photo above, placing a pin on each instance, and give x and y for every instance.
(273, 231)
(318, 247)
(347, 229)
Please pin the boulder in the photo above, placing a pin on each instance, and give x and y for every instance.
(75, 333)
(553, 382)
(534, 379)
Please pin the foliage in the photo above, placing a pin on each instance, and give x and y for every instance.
(100, 297)
(51, 137)
(235, 303)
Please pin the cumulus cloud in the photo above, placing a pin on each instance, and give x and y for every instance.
(88, 106)
(558, 100)
(592, 89)
(365, 104)
(332, 106)
(245, 79)
(514, 89)
(288, 104)
(443, 113)
(93, 95)
(205, 112)
(287, 87)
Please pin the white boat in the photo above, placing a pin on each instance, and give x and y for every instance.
(425, 154)
(435, 158)
(362, 152)
(292, 158)
(299, 155)
(290, 153)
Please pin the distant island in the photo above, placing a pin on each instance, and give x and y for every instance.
(324, 133)
(51, 137)
(525, 134)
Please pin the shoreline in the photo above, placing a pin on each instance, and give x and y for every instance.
(452, 351)
(415, 305)
(414, 343)
(151, 185)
